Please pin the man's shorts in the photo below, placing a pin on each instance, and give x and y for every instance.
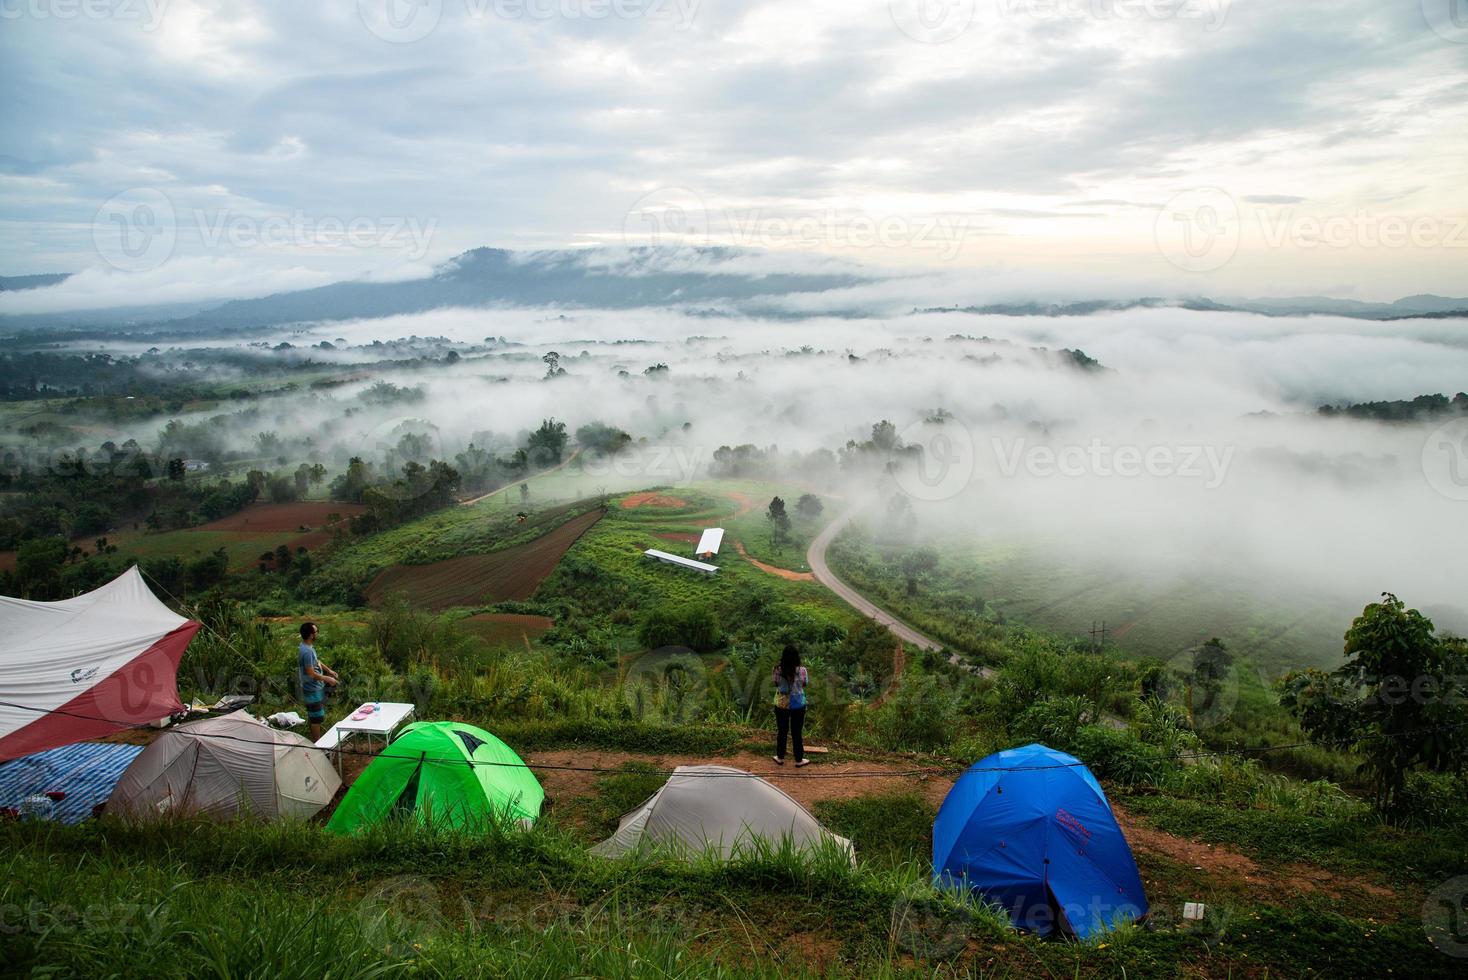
(316, 711)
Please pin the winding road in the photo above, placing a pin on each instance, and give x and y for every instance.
(815, 557)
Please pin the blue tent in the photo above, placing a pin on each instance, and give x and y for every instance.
(1030, 830)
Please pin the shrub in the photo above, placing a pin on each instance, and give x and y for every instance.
(694, 627)
(921, 714)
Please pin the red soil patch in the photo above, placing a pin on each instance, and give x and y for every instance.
(784, 573)
(8, 560)
(651, 499)
(503, 629)
(743, 500)
(674, 536)
(276, 518)
(743, 505)
(471, 580)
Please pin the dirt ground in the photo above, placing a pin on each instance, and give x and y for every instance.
(514, 573)
(819, 781)
(650, 499)
(823, 780)
(784, 573)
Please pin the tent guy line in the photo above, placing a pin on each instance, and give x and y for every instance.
(858, 774)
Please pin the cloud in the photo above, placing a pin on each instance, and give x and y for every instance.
(537, 132)
(184, 280)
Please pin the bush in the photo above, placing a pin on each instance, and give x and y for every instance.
(694, 627)
(921, 714)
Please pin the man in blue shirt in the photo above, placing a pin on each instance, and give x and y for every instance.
(314, 677)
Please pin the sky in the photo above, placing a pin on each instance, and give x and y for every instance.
(186, 148)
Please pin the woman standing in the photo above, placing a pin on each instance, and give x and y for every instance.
(790, 681)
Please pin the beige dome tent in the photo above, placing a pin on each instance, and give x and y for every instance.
(716, 808)
(226, 767)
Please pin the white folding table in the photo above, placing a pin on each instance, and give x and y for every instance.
(381, 723)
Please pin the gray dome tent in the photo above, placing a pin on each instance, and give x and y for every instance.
(719, 808)
(226, 767)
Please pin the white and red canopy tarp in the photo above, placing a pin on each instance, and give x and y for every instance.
(86, 666)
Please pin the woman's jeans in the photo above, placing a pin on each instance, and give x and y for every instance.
(789, 720)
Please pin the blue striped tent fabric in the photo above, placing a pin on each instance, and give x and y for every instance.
(86, 772)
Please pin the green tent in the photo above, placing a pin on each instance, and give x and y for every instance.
(444, 772)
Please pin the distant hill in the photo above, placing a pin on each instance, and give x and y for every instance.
(497, 277)
(703, 281)
(1411, 307)
(10, 283)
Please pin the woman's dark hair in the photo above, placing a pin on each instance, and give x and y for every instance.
(789, 660)
(307, 629)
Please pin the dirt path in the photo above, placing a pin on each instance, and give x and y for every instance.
(1215, 864)
(743, 500)
(816, 782)
(784, 573)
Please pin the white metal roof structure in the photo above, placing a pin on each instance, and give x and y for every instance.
(697, 566)
(709, 543)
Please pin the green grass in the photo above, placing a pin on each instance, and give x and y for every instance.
(253, 900)
(889, 830)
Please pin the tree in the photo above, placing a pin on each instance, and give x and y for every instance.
(553, 367)
(809, 506)
(917, 565)
(779, 522)
(38, 568)
(604, 440)
(1399, 700)
(176, 469)
(547, 444)
(1211, 665)
(303, 479)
